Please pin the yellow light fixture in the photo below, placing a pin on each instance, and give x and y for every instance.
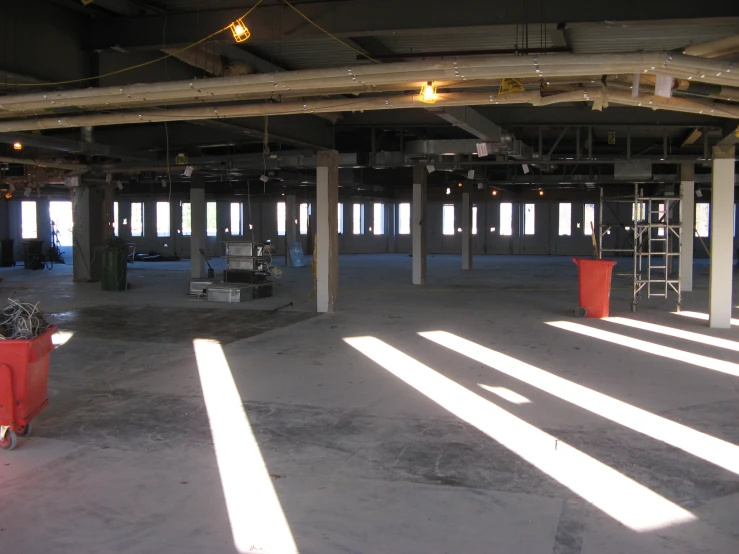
(8, 195)
(495, 193)
(240, 30)
(459, 184)
(17, 146)
(428, 93)
(541, 192)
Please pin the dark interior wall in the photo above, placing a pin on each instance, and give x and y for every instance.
(4, 220)
(42, 40)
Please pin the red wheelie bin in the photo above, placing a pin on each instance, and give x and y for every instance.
(594, 278)
(24, 374)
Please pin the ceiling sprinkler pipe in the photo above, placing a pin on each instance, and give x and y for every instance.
(367, 78)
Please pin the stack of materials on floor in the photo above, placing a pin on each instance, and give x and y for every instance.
(248, 265)
(19, 320)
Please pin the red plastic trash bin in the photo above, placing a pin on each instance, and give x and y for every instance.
(24, 374)
(594, 278)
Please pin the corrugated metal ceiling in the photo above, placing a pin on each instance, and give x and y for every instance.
(584, 38)
(211, 5)
(306, 53)
(589, 38)
(494, 38)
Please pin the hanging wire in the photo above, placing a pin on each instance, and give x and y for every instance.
(140, 65)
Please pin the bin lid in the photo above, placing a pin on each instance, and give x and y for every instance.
(579, 261)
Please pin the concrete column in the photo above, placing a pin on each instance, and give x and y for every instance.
(108, 213)
(722, 238)
(4, 219)
(197, 226)
(43, 222)
(223, 222)
(687, 225)
(418, 224)
(291, 225)
(88, 234)
(327, 205)
(392, 226)
(466, 231)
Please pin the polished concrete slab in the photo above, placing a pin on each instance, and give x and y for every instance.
(123, 460)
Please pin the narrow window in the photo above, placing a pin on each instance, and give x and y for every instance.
(358, 219)
(588, 219)
(304, 219)
(186, 219)
(447, 220)
(474, 220)
(378, 225)
(404, 218)
(211, 219)
(163, 227)
(281, 218)
(529, 219)
(237, 220)
(115, 219)
(137, 219)
(28, 220)
(638, 212)
(506, 219)
(565, 219)
(340, 216)
(661, 215)
(702, 217)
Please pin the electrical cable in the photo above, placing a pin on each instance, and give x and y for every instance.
(337, 39)
(137, 66)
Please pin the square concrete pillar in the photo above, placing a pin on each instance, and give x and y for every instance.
(327, 224)
(197, 226)
(466, 231)
(108, 215)
(687, 225)
(391, 213)
(89, 233)
(418, 223)
(722, 238)
(291, 225)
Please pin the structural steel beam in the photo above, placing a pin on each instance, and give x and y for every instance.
(354, 18)
(304, 131)
(472, 121)
(73, 146)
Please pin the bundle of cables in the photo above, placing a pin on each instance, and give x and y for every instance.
(19, 320)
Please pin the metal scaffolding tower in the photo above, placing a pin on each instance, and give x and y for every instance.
(654, 237)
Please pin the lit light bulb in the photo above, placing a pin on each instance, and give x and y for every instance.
(541, 192)
(495, 193)
(428, 93)
(240, 31)
(17, 146)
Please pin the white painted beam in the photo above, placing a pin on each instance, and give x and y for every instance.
(419, 226)
(327, 204)
(722, 239)
(687, 225)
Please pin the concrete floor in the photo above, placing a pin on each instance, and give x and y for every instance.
(124, 459)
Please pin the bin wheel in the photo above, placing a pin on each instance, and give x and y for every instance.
(26, 430)
(581, 312)
(10, 440)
